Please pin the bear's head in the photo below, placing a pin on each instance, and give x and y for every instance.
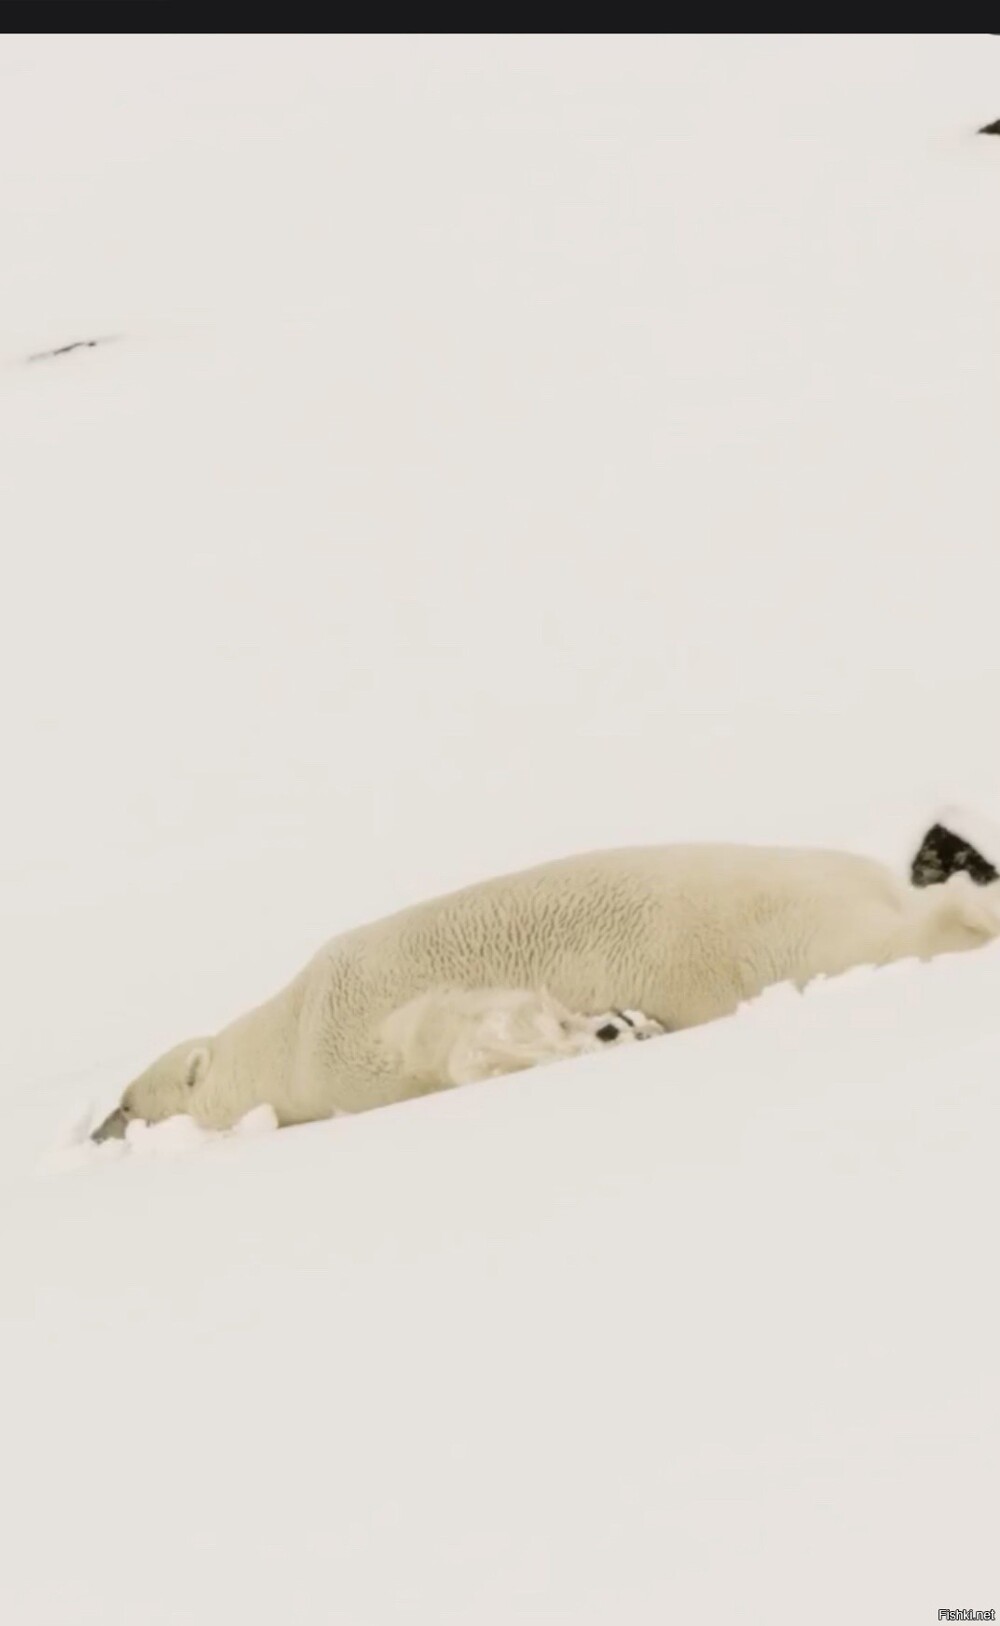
(170, 1086)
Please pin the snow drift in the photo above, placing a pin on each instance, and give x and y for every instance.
(509, 446)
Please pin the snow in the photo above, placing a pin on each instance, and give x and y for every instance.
(74, 1149)
(509, 446)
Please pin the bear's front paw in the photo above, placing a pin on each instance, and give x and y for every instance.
(624, 1027)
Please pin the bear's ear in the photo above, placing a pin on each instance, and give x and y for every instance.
(196, 1065)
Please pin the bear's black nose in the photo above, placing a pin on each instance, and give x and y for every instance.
(608, 1032)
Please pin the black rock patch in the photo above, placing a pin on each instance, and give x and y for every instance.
(67, 349)
(943, 853)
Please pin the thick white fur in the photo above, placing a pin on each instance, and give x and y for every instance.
(682, 933)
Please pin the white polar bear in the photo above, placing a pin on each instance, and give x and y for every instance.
(682, 933)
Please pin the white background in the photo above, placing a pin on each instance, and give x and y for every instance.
(508, 446)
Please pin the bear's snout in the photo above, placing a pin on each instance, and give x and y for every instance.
(113, 1127)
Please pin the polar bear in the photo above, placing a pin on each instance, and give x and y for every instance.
(684, 934)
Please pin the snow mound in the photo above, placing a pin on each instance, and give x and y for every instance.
(73, 1148)
(724, 1296)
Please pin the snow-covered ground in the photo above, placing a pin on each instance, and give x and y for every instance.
(507, 446)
